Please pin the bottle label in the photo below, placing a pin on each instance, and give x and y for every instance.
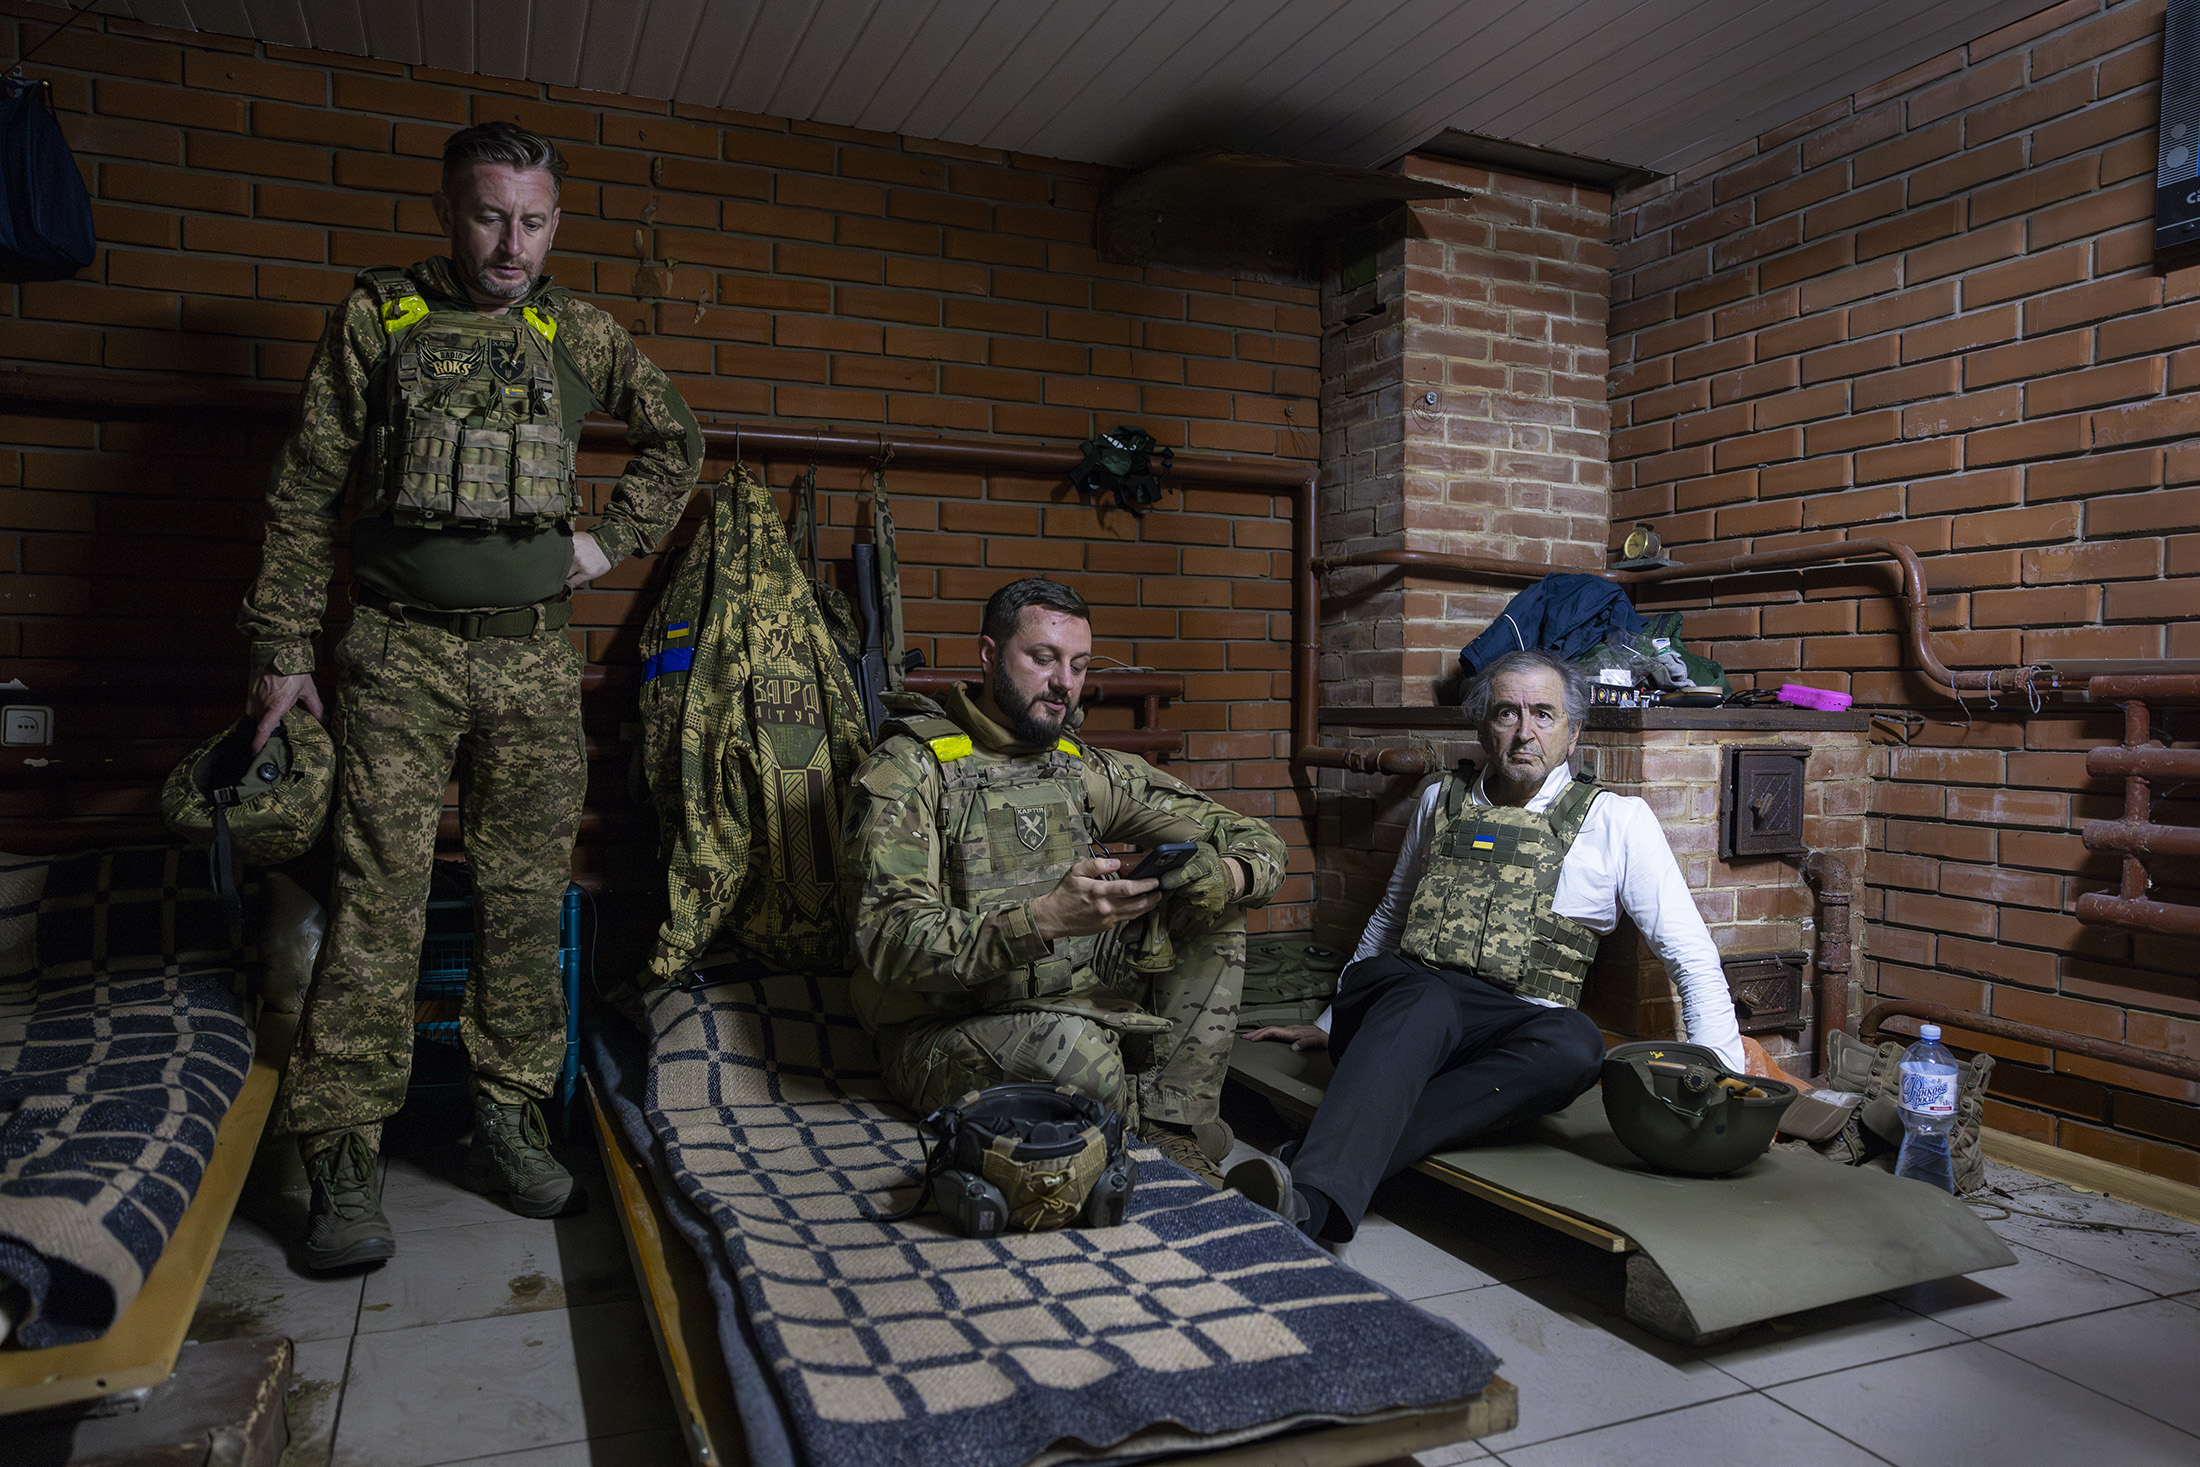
(1928, 1092)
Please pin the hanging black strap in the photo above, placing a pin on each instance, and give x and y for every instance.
(804, 533)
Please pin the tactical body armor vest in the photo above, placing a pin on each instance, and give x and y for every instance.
(1483, 905)
(1010, 826)
(470, 431)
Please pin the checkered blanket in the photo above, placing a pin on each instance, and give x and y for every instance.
(1203, 1320)
(122, 1046)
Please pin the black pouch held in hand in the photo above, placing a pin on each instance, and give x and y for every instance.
(1028, 1157)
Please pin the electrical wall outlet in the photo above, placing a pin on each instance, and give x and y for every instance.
(26, 723)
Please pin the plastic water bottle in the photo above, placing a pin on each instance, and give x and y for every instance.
(1928, 1111)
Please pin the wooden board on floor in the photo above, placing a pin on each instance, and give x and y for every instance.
(140, 1349)
(685, 1325)
(2124, 1183)
(680, 1313)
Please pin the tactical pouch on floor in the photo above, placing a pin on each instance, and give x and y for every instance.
(1873, 1135)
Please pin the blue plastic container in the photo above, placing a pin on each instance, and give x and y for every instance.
(447, 964)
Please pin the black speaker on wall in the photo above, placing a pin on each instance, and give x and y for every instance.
(2177, 166)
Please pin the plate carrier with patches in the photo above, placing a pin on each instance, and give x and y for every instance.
(1483, 905)
(1010, 826)
(469, 429)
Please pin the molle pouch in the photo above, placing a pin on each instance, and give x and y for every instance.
(1140, 946)
(474, 431)
(427, 469)
(483, 488)
(542, 474)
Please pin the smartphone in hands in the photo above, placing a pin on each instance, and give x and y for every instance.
(1162, 859)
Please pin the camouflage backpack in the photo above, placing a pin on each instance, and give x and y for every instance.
(1288, 980)
(751, 729)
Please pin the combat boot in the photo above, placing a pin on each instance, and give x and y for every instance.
(1181, 1145)
(1216, 1138)
(511, 1154)
(1267, 1180)
(345, 1228)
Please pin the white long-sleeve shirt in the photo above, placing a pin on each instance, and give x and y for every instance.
(1619, 862)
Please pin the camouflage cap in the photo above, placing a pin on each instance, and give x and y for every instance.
(278, 799)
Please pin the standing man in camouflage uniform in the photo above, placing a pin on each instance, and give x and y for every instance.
(993, 946)
(451, 394)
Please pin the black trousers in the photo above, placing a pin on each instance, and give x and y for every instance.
(1428, 1060)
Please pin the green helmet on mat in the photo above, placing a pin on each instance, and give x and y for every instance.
(1026, 1157)
(1679, 1108)
(263, 808)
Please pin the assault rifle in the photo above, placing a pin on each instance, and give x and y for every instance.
(870, 664)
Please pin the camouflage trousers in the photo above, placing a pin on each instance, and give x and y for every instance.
(1174, 1075)
(414, 705)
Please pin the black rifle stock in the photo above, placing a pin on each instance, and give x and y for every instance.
(870, 667)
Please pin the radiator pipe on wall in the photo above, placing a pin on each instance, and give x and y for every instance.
(1918, 646)
(1828, 877)
(2153, 1061)
(1226, 476)
(143, 396)
(2139, 762)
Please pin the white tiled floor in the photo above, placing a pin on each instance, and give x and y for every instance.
(490, 1339)
(499, 1342)
(2086, 1351)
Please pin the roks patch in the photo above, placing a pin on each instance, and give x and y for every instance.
(445, 363)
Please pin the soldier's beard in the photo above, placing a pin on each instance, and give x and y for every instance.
(487, 286)
(1024, 720)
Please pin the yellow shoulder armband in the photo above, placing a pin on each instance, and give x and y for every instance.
(953, 747)
(1069, 748)
(548, 326)
(402, 312)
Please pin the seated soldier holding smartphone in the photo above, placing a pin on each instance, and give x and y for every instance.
(992, 945)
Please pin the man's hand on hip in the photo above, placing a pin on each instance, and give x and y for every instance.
(589, 561)
(272, 695)
(1298, 1036)
(1088, 899)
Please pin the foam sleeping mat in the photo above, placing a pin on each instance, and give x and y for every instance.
(1789, 1232)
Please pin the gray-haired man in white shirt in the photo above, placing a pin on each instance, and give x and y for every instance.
(1456, 1016)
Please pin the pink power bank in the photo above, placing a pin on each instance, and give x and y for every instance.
(1822, 699)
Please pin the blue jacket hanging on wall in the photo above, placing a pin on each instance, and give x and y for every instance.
(1564, 615)
(45, 216)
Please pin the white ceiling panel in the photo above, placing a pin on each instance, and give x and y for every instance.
(1655, 84)
(556, 30)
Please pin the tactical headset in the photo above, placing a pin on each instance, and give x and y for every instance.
(1025, 1156)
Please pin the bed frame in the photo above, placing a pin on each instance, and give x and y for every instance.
(140, 1349)
(686, 1330)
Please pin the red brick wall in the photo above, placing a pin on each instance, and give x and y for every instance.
(1464, 411)
(1930, 313)
(810, 275)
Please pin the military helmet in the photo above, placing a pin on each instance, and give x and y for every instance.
(263, 808)
(1678, 1107)
(1027, 1156)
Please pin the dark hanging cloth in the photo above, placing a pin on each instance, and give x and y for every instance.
(1564, 615)
(45, 216)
